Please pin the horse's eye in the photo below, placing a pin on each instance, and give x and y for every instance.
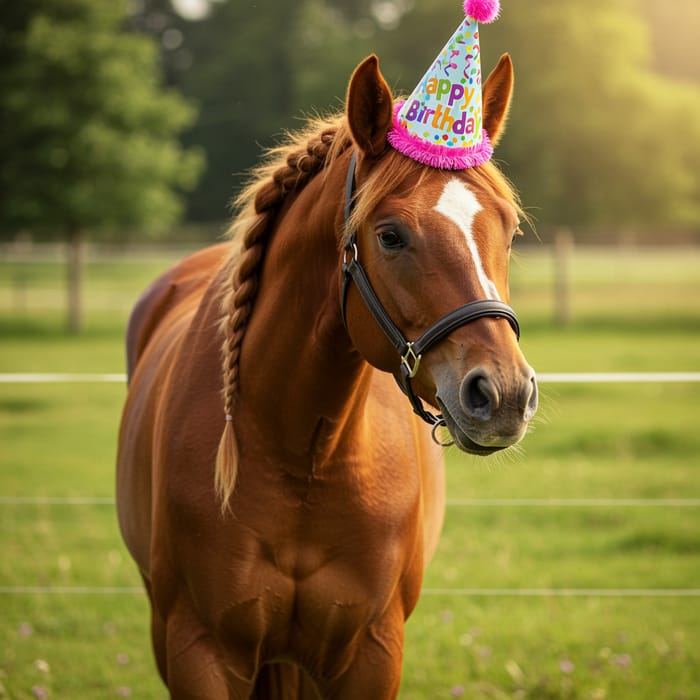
(390, 239)
(516, 233)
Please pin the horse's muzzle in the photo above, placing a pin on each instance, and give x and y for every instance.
(486, 411)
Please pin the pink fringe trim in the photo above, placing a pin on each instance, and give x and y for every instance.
(482, 10)
(434, 154)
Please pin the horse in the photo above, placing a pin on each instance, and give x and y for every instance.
(280, 475)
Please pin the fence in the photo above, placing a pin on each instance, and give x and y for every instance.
(578, 378)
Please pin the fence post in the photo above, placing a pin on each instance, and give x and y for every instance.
(563, 250)
(21, 249)
(76, 253)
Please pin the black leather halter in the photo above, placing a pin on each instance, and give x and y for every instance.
(410, 352)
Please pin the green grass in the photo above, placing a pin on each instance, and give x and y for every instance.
(552, 648)
(637, 312)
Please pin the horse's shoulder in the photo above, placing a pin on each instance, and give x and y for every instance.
(186, 279)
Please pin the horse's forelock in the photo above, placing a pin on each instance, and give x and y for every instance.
(394, 169)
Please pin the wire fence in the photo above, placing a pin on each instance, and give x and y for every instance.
(545, 377)
(574, 377)
(450, 502)
(433, 592)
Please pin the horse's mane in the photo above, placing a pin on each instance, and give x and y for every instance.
(287, 169)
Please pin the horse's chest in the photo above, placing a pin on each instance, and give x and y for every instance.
(290, 591)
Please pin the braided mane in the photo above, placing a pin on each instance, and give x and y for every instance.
(286, 169)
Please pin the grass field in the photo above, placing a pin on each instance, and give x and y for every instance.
(606, 634)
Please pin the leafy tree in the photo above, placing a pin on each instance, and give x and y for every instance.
(257, 70)
(597, 137)
(89, 140)
(327, 47)
(241, 76)
(602, 133)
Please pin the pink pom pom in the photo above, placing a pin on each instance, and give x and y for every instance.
(482, 10)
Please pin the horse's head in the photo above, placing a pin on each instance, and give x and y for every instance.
(432, 241)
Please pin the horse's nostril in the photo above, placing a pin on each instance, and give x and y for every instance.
(478, 398)
(479, 395)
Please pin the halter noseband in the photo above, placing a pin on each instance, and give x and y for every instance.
(410, 352)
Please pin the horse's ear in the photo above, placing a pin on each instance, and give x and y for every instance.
(369, 107)
(496, 95)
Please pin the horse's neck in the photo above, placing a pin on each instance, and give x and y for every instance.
(301, 379)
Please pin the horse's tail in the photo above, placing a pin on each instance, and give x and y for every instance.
(284, 682)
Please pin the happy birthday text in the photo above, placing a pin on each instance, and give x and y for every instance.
(441, 117)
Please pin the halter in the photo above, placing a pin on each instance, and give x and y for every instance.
(410, 352)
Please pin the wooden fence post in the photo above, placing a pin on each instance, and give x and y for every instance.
(76, 253)
(563, 250)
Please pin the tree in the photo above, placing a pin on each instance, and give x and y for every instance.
(88, 142)
(602, 134)
(597, 136)
(256, 69)
(241, 76)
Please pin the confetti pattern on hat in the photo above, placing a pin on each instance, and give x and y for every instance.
(440, 124)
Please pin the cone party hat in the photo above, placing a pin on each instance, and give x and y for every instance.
(440, 124)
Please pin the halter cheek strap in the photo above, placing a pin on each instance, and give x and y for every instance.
(410, 352)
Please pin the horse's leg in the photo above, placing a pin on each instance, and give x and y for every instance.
(157, 634)
(375, 671)
(195, 664)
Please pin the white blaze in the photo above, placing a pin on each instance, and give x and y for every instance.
(458, 203)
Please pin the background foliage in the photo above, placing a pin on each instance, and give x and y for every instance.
(89, 138)
(604, 133)
(605, 127)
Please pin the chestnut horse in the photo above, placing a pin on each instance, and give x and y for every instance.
(287, 566)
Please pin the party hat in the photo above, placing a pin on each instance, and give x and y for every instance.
(440, 124)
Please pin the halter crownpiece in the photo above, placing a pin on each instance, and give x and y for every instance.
(440, 124)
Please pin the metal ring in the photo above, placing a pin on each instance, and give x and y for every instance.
(436, 439)
(354, 251)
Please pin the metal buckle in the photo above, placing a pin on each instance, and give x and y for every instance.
(410, 357)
